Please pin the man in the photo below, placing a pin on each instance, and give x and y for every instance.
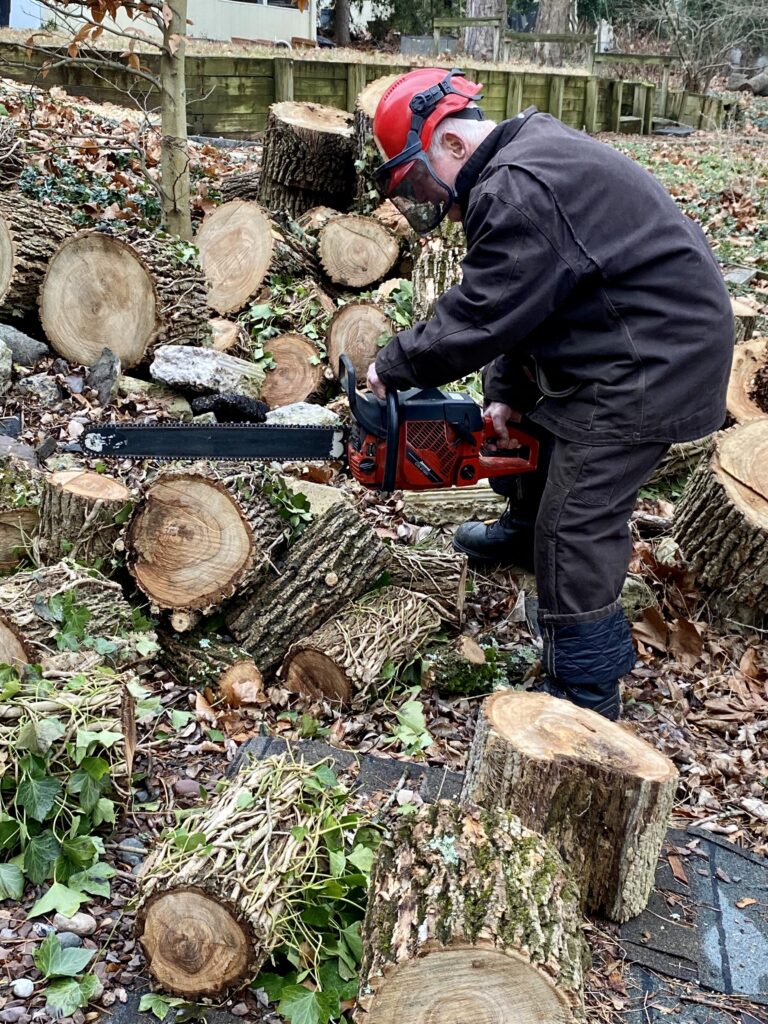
(602, 321)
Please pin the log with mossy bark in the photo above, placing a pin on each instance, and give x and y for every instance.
(82, 515)
(439, 576)
(209, 916)
(598, 792)
(200, 660)
(337, 558)
(748, 384)
(30, 233)
(471, 917)
(37, 606)
(367, 154)
(133, 291)
(353, 655)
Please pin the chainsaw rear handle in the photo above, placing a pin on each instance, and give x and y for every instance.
(497, 464)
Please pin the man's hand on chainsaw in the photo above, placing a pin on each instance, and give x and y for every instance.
(374, 384)
(501, 414)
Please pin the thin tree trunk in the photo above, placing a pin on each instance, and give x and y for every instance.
(341, 26)
(174, 160)
(552, 17)
(478, 41)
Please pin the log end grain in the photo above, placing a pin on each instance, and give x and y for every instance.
(87, 484)
(297, 373)
(13, 650)
(235, 243)
(356, 331)
(357, 251)
(746, 393)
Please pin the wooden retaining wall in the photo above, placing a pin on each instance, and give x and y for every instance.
(231, 95)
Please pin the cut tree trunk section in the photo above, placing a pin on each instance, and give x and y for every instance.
(240, 186)
(367, 154)
(748, 384)
(30, 233)
(436, 269)
(721, 520)
(598, 792)
(453, 506)
(204, 369)
(343, 661)
(439, 576)
(240, 246)
(357, 330)
(744, 318)
(133, 292)
(200, 661)
(357, 251)
(298, 373)
(680, 459)
(82, 514)
(471, 918)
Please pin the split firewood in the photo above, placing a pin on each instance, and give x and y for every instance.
(744, 318)
(208, 918)
(30, 233)
(11, 153)
(204, 369)
(721, 519)
(336, 559)
(681, 458)
(452, 506)
(437, 268)
(367, 155)
(357, 251)
(133, 292)
(307, 158)
(240, 246)
(38, 604)
(82, 515)
(357, 330)
(20, 488)
(748, 384)
(241, 185)
(439, 576)
(343, 661)
(598, 792)
(471, 917)
(298, 372)
(200, 660)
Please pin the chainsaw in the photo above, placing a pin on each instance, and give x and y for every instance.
(413, 440)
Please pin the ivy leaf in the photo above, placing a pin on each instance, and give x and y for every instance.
(66, 995)
(159, 1005)
(53, 961)
(273, 984)
(40, 856)
(39, 736)
(61, 898)
(362, 858)
(352, 938)
(332, 981)
(84, 784)
(11, 882)
(95, 879)
(9, 833)
(103, 811)
(37, 796)
(81, 851)
(301, 1006)
(146, 646)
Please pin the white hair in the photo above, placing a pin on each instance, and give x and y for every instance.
(472, 132)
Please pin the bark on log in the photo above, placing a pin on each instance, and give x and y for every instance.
(241, 185)
(30, 233)
(199, 660)
(133, 292)
(748, 384)
(357, 330)
(336, 559)
(437, 268)
(298, 373)
(20, 488)
(307, 158)
(343, 661)
(240, 246)
(744, 319)
(721, 520)
(11, 153)
(357, 251)
(681, 458)
(207, 919)
(598, 792)
(367, 155)
(472, 917)
(453, 506)
(82, 515)
(34, 607)
(439, 576)
(204, 369)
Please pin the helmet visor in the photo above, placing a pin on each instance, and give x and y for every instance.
(417, 192)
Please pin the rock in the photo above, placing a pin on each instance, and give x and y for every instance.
(6, 368)
(187, 788)
(141, 796)
(25, 350)
(304, 413)
(103, 376)
(42, 930)
(132, 859)
(10, 446)
(12, 1014)
(80, 924)
(134, 843)
(10, 426)
(23, 988)
(69, 940)
(42, 386)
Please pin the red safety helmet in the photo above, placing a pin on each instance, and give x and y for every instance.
(404, 123)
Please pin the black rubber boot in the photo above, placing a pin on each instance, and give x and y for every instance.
(604, 698)
(508, 541)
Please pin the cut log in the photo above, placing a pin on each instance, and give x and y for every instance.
(229, 336)
(30, 233)
(240, 246)
(680, 459)
(439, 576)
(199, 660)
(357, 330)
(343, 661)
(11, 153)
(597, 791)
(208, 918)
(744, 318)
(242, 185)
(134, 292)
(721, 520)
(757, 85)
(357, 251)
(38, 604)
(459, 669)
(297, 374)
(452, 506)
(389, 214)
(471, 918)
(307, 158)
(82, 514)
(188, 545)
(313, 219)
(748, 384)
(437, 268)
(20, 487)
(367, 154)
(204, 369)
(336, 559)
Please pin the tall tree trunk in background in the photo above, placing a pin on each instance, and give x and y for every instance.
(341, 23)
(174, 160)
(552, 17)
(478, 42)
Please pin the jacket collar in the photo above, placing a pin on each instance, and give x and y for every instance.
(501, 135)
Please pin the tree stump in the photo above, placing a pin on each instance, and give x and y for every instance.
(357, 251)
(298, 373)
(307, 158)
(20, 487)
(29, 235)
(721, 519)
(240, 246)
(748, 384)
(343, 661)
(437, 268)
(357, 330)
(133, 292)
(744, 319)
(599, 793)
(335, 560)
(367, 154)
(439, 576)
(471, 918)
(82, 514)
(204, 369)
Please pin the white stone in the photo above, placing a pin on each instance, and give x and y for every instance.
(80, 924)
(23, 988)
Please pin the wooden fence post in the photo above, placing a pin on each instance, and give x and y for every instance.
(617, 93)
(590, 105)
(556, 89)
(514, 94)
(355, 84)
(664, 90)
(650, 93)
(283, 79)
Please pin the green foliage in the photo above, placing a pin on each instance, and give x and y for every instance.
(411, 731)
(290, 505)
(69, 989)
(292, 306)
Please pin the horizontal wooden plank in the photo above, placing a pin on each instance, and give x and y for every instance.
(320, 70)
(245, 67)
(635, 58)
(243, 125)
(463, 22)
(218, 89)
(551, 37)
